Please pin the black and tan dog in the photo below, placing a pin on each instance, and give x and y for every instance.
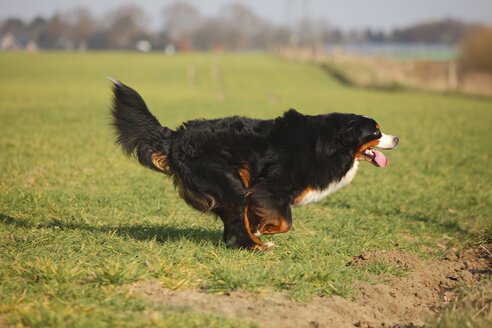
(250, 172)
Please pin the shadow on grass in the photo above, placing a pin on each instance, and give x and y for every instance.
(444, 226)
(160, 233)
(163, 233)
(432, 222)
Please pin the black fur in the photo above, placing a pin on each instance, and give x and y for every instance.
(137, 131)
(278, 158)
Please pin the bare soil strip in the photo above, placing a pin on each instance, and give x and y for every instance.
(403, 301)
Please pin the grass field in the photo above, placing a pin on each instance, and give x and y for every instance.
(79, 222)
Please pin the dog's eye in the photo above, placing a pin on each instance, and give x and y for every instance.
(376, 133)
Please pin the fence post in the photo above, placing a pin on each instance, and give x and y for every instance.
(452, 76)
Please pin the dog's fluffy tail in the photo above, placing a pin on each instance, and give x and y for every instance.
(137, 131)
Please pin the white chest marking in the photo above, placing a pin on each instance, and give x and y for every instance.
(317, 195)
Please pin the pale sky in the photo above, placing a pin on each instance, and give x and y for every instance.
(346, 14)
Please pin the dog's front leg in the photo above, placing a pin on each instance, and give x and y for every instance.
(237, 231)
(279, 223)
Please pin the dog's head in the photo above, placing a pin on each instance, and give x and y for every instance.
(364, 134)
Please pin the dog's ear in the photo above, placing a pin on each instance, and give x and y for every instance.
(292, 114)
(286, 124)
(291, 118)
(349, 134)
(326, 137)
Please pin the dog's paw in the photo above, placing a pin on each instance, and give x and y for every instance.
(268, 246)
(231, 242)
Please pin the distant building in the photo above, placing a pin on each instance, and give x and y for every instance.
(170, 49)
(64, 43)
(11, 42)
(143, 46)
(83, 46)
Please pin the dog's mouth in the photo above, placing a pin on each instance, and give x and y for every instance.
(375, 157)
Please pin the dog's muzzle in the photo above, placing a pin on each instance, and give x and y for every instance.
(388, 142)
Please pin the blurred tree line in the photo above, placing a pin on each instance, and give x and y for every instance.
(476, 49)
(237, 27)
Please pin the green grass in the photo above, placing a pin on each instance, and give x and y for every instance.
(471, 308)
(79, 222)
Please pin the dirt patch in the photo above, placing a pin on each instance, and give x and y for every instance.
(3, 321)
(424, 291)
(402, 301)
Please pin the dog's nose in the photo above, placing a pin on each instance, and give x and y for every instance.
(396, 141)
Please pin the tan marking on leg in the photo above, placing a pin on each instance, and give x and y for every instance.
(258, 243)
(160, 162)
(244, 174)
(201, 202)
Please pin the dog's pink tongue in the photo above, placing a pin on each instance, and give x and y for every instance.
(380, 159)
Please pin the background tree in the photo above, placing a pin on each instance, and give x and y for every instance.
(126, 25)
(181, 21)
(208, 35)
(84, 25)
(241, 25)
(56, 33)
(12, 25)
(476, 49)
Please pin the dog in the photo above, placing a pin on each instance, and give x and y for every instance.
(250, 172)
